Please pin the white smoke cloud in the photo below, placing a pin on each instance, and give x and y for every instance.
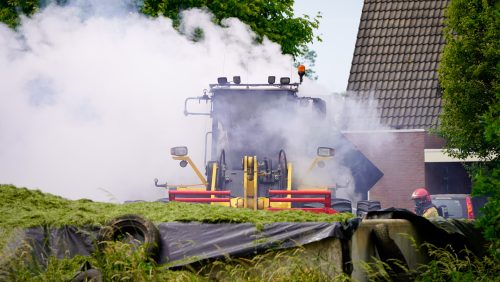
(92, 96)
(346, 113)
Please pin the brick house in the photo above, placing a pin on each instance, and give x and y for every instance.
(395, 62)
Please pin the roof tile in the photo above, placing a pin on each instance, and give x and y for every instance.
(397, 52)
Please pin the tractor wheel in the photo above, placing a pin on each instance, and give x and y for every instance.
(132, 229)
(221, 172)
(283, 167)
(338, 204)
(341, 205)
(364, 206)
(210, 167)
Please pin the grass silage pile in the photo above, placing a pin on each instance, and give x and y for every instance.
(24, 208)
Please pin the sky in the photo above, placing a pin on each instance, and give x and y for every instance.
(338, 29)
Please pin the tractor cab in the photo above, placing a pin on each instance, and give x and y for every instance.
(253, 128)
(248, 164)
(251, 119)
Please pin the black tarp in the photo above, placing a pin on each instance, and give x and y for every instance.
(185, 243)
(207, 241)
(62, 242)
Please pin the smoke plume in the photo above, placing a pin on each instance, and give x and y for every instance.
(92, 96)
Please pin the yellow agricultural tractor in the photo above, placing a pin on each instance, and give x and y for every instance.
(249, 137)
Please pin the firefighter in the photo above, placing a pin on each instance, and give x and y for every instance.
(423, 203)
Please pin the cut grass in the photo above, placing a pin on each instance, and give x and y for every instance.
(22, 208)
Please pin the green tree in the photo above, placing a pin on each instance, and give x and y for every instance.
(308, 59)
(469, 76)
(274, 19)
(11, 9)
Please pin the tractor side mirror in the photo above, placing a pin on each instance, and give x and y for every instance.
(179, 151)
(325, 152)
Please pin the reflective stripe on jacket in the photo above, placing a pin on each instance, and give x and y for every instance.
(431, 212)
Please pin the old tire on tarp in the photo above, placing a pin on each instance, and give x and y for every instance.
(90, 275)
(132, 229)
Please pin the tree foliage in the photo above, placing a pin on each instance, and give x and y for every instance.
(11, 9)
(274, 19)
(469, 76)
(307, 58)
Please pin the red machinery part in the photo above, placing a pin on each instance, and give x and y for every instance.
(202, 192)
(326, 200)
(314, 210)
(298, 200)
(172, 196)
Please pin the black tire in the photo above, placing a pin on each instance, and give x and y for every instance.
(375, 206)
(338, 204)
(341, 205)
(221, 172)
(283, 167)
(210, 167)
(132, 229)
(365, 206)
(369, 205)
(220, 183)
(90, 275)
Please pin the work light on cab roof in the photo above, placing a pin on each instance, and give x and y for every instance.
(285, 80)
(223, 81)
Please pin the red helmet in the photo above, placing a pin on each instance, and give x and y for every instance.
(421, 193)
